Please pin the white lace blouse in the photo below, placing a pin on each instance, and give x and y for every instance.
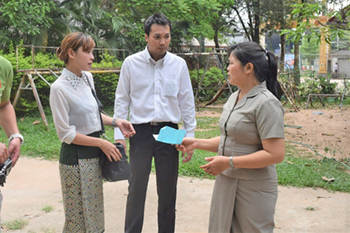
(74, 109)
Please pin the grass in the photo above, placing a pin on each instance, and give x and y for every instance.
(299, 169)
(307, 170)
(310, 208)
(47, 208)
(16, 224)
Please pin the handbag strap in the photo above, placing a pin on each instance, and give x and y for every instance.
(99, 104)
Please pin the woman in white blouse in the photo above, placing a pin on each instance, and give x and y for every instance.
(77, 120)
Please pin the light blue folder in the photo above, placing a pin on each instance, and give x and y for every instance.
(170, 135)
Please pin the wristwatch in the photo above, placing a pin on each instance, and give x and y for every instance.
(113, 122)
(231, 163)
(16, 135)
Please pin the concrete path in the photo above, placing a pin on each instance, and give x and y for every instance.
(34, 184)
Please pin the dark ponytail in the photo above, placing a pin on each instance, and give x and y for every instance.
(271, 80)
(265, 64)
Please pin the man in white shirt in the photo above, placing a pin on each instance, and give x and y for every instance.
(155, 89)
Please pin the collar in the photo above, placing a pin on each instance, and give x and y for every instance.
(257, 89)
(72, 78)
(251, 94)
(151, 61)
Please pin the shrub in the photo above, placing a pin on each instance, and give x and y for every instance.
(316, 85)
(212, 81)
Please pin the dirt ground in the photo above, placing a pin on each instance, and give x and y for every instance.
(34, 184)
(324, 130)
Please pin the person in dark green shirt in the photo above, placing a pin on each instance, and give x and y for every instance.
(8, 119)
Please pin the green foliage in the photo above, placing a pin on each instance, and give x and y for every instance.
(209, 84)
(189, 18)
(106, 83)
(316, 85)
(27, 102)
(307, 16)
(23, 17)
(107, 60)
(309, 48)
(347, 85)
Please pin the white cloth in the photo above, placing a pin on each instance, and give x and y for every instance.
(159, 91)
(74, 108)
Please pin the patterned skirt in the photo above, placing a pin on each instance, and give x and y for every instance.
(82, 191)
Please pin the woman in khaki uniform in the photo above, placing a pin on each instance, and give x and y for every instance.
(251, 143)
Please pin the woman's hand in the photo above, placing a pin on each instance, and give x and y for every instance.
(187, 145)
(126, 127)
(110, 150)
(216, 165)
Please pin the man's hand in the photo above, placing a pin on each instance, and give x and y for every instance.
(14, 150)
(4, 154)
(187, 156)
(126, 128)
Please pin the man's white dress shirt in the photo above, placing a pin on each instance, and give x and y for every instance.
(158, 91)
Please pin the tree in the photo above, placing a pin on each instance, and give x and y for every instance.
(276, 21)
(255, 12)
(223, 20)
(21, 19)
(189, 18)
(309, 48)
(97, 18)
(305, 18)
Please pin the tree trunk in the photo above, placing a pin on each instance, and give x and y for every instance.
(283, 52)
(216, 39)
(202, 44)
(256, 36)
(296, 69)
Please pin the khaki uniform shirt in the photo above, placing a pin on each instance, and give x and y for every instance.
(258, 115)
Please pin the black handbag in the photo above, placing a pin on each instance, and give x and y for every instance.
(115, 170)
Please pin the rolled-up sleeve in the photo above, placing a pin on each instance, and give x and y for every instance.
(60, 113)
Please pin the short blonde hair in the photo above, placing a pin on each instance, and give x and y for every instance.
(74, 41)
